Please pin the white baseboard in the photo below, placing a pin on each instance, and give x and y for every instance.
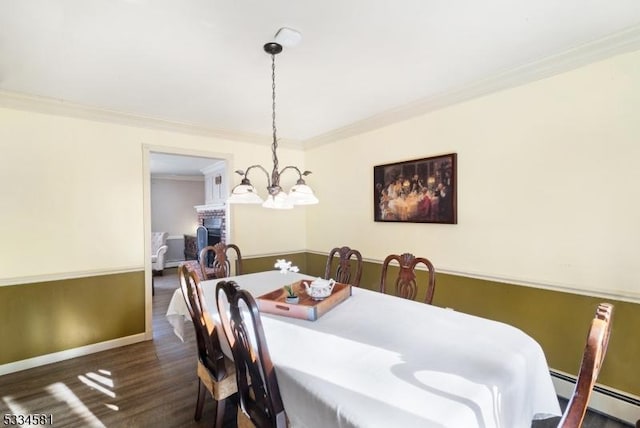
(41, 360)
(617, 404)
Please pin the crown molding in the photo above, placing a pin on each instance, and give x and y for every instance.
(618, 43)
(57, 107)
(174, 177)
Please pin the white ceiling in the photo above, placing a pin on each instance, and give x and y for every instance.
(201, 62)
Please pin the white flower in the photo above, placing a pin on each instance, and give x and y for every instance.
(285, 266)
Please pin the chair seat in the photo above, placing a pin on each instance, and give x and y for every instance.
(243, 421)
(154, 258)
(219, 389)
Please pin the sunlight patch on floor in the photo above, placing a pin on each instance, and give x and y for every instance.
(101, 379)
(62, 395)
(95, 381)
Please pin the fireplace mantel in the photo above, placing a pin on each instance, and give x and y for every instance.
(209, 207)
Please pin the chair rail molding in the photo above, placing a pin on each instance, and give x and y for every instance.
(620, 295)
(19, 280)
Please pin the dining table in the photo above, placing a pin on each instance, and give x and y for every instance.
(376, 360)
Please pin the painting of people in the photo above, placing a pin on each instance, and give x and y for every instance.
(417, 191)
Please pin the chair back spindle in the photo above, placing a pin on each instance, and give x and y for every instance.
(343, 272)
(215, 261)
(406, 284)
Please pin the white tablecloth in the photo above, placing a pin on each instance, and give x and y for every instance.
(381, 361)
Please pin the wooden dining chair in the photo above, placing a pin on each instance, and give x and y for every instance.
(592, 358)
(258, 391)
(406, 284)
(216, 263)
(343, 269)
(216, 373)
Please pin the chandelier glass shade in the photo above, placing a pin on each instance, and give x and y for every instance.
(300, 193)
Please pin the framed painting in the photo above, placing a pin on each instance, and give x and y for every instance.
(416, 191)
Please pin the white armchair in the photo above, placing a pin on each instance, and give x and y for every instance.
(158, 250)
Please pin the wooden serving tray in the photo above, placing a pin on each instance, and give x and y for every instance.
(307, 308)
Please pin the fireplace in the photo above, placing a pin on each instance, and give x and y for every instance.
(214, 229)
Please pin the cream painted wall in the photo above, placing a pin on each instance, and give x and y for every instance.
(547, 187)
(547, 184)
(72, 194)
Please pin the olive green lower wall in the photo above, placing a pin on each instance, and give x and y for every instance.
(558, 321)
(47, 317)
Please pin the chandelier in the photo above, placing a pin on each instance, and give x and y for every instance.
(300, 193)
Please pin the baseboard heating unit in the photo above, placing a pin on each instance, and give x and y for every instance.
(611, 402)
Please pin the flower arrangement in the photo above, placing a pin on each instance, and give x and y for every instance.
(285, 266)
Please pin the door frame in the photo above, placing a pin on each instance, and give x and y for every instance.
(147, 150)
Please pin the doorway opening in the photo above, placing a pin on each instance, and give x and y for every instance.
(181, 187)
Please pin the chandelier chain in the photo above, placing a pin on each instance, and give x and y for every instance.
(300, 193)
(273, 119)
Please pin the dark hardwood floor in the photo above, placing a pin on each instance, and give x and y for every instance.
(142, 385)
(147, 384)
